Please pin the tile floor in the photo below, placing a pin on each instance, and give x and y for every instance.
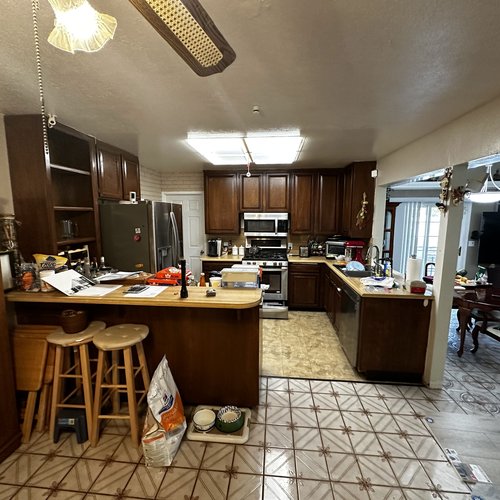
(309, 439)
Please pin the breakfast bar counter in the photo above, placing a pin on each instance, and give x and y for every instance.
(212, 344)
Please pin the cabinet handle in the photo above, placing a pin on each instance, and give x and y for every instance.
(339, 289)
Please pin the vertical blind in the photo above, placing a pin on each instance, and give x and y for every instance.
(417, 234)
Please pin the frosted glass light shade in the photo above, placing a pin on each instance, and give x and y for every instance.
(78, 26)
(485, 197)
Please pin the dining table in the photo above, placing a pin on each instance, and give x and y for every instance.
(483, 298)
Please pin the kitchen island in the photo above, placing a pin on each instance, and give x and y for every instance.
(212, 344)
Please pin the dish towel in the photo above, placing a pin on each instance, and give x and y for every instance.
(383, 282)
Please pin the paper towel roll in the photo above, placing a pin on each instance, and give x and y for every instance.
(413, 269)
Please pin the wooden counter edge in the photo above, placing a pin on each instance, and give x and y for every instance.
(168, 298)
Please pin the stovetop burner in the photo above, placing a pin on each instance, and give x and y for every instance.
(265, 254)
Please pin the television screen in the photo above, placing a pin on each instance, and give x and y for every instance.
(489, 242)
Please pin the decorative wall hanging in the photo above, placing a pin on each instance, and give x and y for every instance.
(363, 213)
(444, 195)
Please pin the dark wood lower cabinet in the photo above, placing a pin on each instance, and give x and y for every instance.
(304, 286)
(391, 335)
(10, 435)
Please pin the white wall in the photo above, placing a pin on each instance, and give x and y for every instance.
(471, 136)
(6, 205)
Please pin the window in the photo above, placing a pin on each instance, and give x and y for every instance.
(416, 233)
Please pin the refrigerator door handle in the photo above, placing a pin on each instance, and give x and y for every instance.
(175, 246)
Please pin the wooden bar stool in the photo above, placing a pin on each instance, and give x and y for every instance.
(79, 371)
(119, 340)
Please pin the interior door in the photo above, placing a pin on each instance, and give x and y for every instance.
(193, 227)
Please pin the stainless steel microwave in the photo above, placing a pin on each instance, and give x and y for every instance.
(265, 224)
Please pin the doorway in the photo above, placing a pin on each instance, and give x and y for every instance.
(193, 226)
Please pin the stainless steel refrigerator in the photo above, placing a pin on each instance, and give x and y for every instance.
(144, 236)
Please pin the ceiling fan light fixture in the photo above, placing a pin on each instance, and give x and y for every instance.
(187, 27)
(78, 26)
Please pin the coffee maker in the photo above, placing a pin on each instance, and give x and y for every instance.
(214, 248)
(354, 250)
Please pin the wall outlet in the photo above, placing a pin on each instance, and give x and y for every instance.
(290, 245)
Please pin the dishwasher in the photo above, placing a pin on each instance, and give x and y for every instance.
(348, 323)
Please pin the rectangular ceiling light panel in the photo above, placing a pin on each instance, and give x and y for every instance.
(267, 150)
(221, 150)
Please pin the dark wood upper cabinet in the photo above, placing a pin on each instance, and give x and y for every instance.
(329, 200)
(52, 186)
(221, 203)
(264, 192)
(251, 188)
(358, 185)
(302, 206)
(118, 172)
(109, 168)
(131, 177)
(276, 192)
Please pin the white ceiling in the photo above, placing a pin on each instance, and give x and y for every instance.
(359, 78)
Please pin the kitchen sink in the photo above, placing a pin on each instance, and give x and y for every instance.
(357, 274)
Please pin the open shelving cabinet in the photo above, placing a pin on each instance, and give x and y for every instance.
(51, 187)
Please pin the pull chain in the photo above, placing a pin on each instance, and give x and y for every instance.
(35, 7)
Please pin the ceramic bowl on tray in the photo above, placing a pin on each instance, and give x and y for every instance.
(229, 419)
(204, 420)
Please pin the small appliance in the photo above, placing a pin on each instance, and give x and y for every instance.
(354, 250)
(334, 247)
(303, 251)
(214, 248)
(265, 224)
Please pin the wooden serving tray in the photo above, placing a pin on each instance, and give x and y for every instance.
(215, 435)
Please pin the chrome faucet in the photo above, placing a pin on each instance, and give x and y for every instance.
(374, 261)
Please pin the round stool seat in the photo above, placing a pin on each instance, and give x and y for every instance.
(120, 336)
(60, 337)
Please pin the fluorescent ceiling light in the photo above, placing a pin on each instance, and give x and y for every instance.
(485, 160)
(274, 150)
(221, 150)
(78, 26)
(484, 197)
(267, 150)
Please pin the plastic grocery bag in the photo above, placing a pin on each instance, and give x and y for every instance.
(165, 422)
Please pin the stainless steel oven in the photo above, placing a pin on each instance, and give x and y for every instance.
(270, 255)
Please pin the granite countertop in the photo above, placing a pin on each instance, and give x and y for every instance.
(222, 258)
(356, 284)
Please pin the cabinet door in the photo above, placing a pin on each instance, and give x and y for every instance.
(276, 192)
(328, 197)
(302, 205)
(304, 286)
(131, 176)
(345, 220)
(360, 183)
(251, 193)
(10, 437)
(221, 203)
(109, 172)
